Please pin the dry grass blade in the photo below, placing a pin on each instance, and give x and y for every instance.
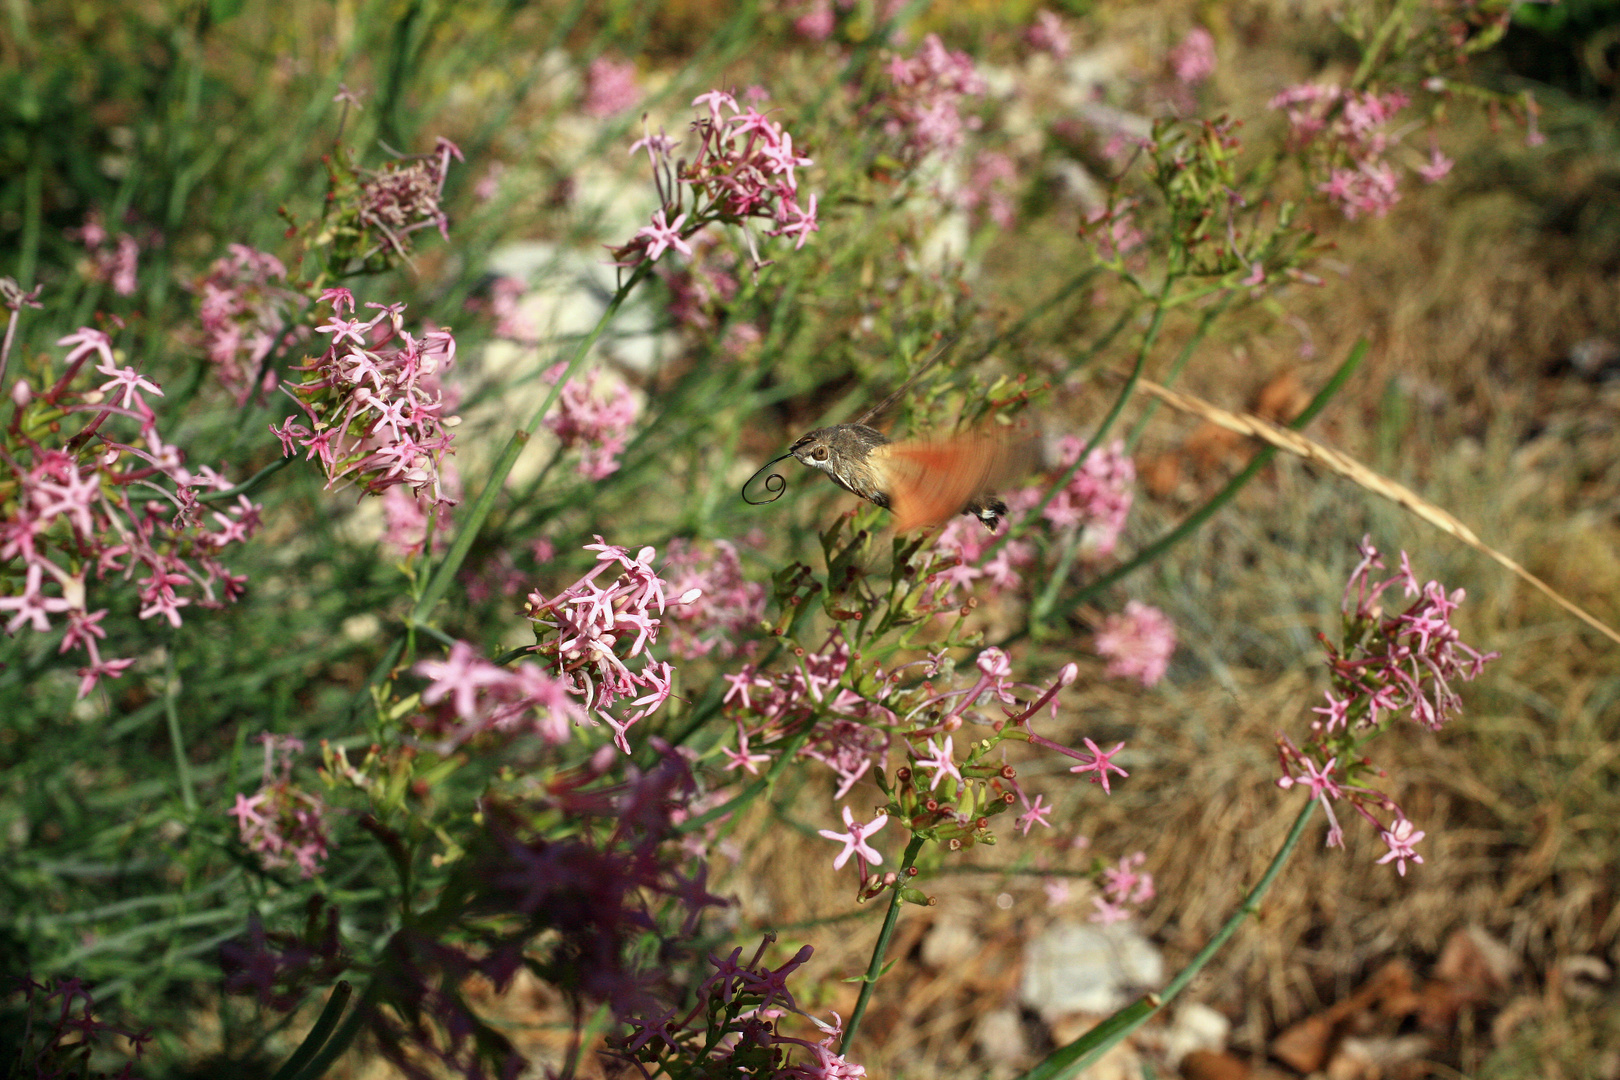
(1349, 468)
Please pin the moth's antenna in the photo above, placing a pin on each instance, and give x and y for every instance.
(877, 409)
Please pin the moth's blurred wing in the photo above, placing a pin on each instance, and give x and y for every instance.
(931, 481)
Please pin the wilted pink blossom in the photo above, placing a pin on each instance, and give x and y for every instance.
(58, 1032)
(736, 1012)
(1138, 643)
(403, 197)
(1193, 60)
(610, 87)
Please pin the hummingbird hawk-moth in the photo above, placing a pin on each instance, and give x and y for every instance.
(921, 481)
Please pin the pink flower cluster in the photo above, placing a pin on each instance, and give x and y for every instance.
(470, 696)
(745, 168)
(375, 402)
(1390, 665)
(598, 425)
(610, 87)
(1098, 497)
(86, 501)
(407, 515)
(1193, 60)
(766, 708)
(113, 263)
(990, 188)
(1137, 643)
(1125, 887)
(1350, 131)
(701, 289)
(588, 632)
(403, 197)
(924, 103)
(735, 1014)
(1402, 663)
(282, 823)
(246, 312)
(1048, 34)
(729, 608)
(1096, 500)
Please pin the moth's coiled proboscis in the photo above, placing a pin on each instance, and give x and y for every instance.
(775, 483)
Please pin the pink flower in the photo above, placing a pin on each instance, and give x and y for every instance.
(247, 316)
(990, 187)
(1047, 34)
(662, 235)
(1138, 643)
(816, 23)
(1437, 168)
(1036, 814)
(854, 840)
(1100, 765)
(939, 759)
(589, 633)
(1400, 838)
(1193, 60)
(610, 87)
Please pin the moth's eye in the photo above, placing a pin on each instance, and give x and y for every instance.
(819, 453)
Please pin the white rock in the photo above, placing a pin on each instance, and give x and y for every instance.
(1086, 968)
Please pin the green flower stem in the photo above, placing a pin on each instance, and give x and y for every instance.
(318, 1034)
(182, 766)
(752, 791)
(1048, 597)
(247, 486)
(445, 574)
(1068, 1060)
(1398, 14)
(341, 1038)
(875, 968)
(1213, 312)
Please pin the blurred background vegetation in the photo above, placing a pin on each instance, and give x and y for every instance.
(1492, 386)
